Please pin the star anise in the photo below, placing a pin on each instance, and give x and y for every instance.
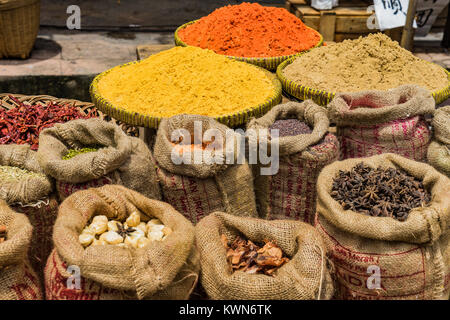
(124, 232)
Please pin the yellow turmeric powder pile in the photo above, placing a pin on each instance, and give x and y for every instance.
(186, 80)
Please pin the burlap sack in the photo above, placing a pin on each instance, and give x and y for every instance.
(412, 257)
(33, 197)
(291, 192)
(306, 276)
(199, 189)
(375, 122)
(18, 281)
(121, 159)
(439, 150)
(165, 269)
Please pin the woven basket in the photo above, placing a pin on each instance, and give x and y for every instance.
(142, 120)
(323, 97)
(270, 64)
(85, 107)
(19, 26)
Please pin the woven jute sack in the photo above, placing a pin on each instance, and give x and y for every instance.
(121, 159)
(411, 258)
(32, 196)
(439, 150)
(197, 189)
(306, 276)
(375, 122)
(18, 281)
(165, 269)
(291, 192)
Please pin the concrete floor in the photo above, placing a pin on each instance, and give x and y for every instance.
(66, 53)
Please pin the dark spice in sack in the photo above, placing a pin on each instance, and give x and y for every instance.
(120, 159)
(375, 122)
(26, 189)
(197, 189)
(382, 258)
(291, 192)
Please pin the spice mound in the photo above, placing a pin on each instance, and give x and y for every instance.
(186, 80)
(75, 152)
(374, 62)
(24, 123)
(250, 30)
(3, 233)
(379, 192)
(133, 233)
(14, 174)
(244, 255)
(290, 127)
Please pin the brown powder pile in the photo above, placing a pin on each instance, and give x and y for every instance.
(368, 63)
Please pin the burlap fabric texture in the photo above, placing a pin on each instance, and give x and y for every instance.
(439, 150)
(201, 187)
(121, 159)
(18, 281)
(165, 269)
(412, 257)
(32, 196)
(374, 122)
(291, 192)
(306, 276)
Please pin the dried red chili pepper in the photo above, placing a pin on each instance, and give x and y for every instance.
(24, 123)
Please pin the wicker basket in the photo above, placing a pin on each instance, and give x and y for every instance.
(323, 97)
(85, 107)
(270, 64)
(19, 26)
(142, 120)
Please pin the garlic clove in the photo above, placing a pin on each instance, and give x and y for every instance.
(111, 237)
(167, 231)
(98, 228)
(132, 241)
(142, 242)
(133, 220)
(142, 226)
(100, 219)
(155, 235)
(86, 239)
(113, 225)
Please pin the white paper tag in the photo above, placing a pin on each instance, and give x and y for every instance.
(391, 13)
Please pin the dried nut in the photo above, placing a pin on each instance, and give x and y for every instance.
(100, 219)
(142, 226)
(155, 235)
(167, 231)
(87, 230)
(133, 220)
(112, 225)
(86, 239)
(98, 228)
(137, 233)
(142, 242)
(111, 237)
(132, 241)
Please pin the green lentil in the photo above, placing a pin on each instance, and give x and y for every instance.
(74, 152)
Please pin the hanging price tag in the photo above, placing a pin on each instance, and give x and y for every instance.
(391, 13)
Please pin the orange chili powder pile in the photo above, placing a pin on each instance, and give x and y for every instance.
(250, 30)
